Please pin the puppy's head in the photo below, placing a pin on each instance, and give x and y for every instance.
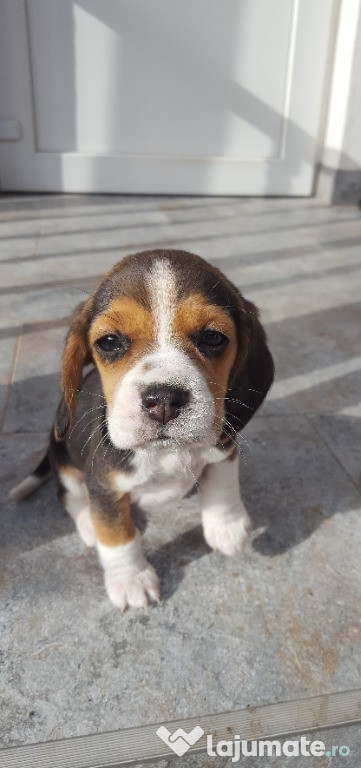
(181, 354)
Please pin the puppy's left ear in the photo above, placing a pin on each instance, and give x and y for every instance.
(75, 356)
(253, 371)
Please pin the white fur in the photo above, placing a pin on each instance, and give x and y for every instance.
(129, 426)
(164, 297)
(76, 502)
(163, 470)
(160, 474)
(225, 521)
(129, 578)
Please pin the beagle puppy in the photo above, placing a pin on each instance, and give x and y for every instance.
(180, 365)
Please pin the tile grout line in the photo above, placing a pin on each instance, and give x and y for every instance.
(11, 378)
(16, 351)
(334, 456)
(293, 414)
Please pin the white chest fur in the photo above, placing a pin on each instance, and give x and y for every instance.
(162, 474)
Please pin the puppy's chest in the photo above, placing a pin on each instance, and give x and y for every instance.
(158, 476)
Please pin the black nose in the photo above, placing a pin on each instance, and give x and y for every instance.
(162, 402)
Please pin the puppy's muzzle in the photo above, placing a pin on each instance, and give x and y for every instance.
(162, 402)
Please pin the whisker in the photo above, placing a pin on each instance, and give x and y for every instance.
(75, 287)
(85, 391)
(228, 424)
(236, 444)
(188, 466)
(193, 476)
(215, 383)
(238, 419)
(96, 407)
(92, 435)
(99, 444)
(234, 389)
(225, 428)
(100, 416)
(233, 400)
(110, 445)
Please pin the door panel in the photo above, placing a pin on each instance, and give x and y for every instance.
(162, 96)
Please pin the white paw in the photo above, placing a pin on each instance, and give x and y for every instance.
(85, 528)
(227, 536)
(136, 589)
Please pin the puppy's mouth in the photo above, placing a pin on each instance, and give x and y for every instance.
(161, 438)
(162, 435)
(164, 439)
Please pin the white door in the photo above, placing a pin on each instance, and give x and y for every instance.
(162, 96)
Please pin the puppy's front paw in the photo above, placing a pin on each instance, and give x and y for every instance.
(228, 536)
(135, 589)
(85, 528)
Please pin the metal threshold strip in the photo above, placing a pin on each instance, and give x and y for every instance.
(109, 750)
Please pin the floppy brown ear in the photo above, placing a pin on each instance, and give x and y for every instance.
(253, 370)
(75, 356)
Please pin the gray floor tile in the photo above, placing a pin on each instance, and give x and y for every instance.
(19, 249)
(318, 361)
(223, 636)
(35, 392)
(280, 622)
(342, 433)
(7, 361)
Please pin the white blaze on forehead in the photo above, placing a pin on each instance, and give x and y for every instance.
(167, 363)
(163, 293)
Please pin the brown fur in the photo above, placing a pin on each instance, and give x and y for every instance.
(135, 321)
(75, 356)
(242, 374)
(196, 312)
(118, 528)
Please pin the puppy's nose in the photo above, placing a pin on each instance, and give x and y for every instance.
(162, 402)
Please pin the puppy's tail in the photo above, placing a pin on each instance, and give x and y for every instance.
(33, 481)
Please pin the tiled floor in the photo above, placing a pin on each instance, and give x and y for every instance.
(283, 620)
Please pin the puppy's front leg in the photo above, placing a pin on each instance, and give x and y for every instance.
(225, 521)
(129, 578)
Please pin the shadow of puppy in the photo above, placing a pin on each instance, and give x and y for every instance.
(172, 558)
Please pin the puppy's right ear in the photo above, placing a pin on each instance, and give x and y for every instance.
(75, 356)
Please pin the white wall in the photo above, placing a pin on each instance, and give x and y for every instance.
(340, 176)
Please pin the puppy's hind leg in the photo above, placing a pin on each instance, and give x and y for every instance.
(75, 498)
(40, 475)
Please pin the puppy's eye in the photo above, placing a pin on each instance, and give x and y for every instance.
(212, 338)
(211, 343)
(113, 344)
